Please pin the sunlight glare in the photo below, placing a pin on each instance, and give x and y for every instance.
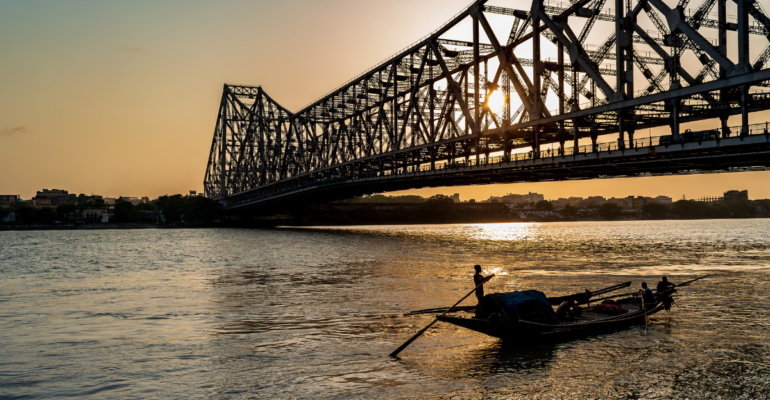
(496, 101)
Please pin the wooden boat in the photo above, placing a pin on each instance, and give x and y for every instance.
(528, 316)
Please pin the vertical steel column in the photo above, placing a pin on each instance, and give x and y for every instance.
(394, 107)
(629, 22)
(223, 152)
(465, 77)
(620, 44)
(743, 59)
(723, 94)
(562, 134)
(476, 77)
(575, 107)
(676, 44)
(379, 116)
(537, 5)
(486, 94)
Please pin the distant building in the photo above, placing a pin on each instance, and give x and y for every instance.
(9, 218)
(596, 200)
(192, 193)
(132, 200)
(54, 197)
(109, 200)
(455, 197)
(98, 214)
(736, 196)
(9, 199)
(52, 193)
(662, 200)
(145, 200)
(573, 201)
(622, 202)
(520, 198)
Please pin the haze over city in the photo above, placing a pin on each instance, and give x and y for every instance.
(120, 98)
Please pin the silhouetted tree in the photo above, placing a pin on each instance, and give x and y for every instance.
(570, 211)
(46, 215)
(200, 210)
(66, 209)
(437, 207)
(742, 210)
(26, 214)
(610, 210)
(690, 209)
(544, 205)
(656, 210)
(172, 207)
(124, 211)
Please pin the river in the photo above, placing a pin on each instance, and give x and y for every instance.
(313, 312)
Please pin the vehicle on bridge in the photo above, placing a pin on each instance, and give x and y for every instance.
(690, 136)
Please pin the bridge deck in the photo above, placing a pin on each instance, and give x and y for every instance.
(732, 154)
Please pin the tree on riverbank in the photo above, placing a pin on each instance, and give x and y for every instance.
(610, 210)
(31, 215)
(190, 209)
(655, 210)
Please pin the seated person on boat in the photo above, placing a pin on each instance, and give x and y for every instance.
(647, 295)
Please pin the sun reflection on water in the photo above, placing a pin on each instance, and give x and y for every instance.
(504, 232)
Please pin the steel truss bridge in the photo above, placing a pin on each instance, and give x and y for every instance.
(465, 106)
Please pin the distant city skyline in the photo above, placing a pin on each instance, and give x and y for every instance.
(690, 186)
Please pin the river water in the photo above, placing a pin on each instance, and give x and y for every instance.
(313, 312)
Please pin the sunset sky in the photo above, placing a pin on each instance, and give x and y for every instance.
(120, 97)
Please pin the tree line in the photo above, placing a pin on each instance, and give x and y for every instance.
(174, 208)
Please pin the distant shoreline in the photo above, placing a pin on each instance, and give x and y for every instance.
(294, 223)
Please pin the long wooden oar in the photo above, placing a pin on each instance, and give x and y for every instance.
(691, 281)
(611, 288)
(413, 338)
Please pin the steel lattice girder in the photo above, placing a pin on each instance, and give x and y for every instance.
(429, 103)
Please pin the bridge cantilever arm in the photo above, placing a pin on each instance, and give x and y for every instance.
(453, 85)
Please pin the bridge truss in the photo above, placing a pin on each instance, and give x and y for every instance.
(479, 89)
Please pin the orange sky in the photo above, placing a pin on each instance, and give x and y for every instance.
(120, 98)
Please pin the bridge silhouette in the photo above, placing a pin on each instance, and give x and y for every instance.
(460, 107)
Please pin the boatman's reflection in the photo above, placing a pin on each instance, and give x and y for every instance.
(478, 279)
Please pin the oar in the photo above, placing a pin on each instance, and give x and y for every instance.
(612, 288)
(413, 338)
(644, 306)
(691, 281)
(439, 310)
(613, 297)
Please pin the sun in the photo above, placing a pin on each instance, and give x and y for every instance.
(496, 101)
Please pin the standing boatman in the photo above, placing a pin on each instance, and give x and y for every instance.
(663, 285)
(478, 279)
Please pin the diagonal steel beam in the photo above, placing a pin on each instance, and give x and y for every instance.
(676, 21)
(456, 91)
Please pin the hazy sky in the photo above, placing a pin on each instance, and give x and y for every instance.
(120, 97)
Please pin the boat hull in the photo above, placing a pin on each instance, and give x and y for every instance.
(527, 332)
